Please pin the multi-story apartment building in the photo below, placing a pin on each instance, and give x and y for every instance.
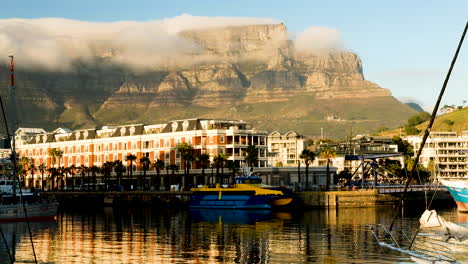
(447, 151)
(96, 146)
(285, 149)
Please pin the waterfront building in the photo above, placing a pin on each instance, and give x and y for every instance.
(284, 150)
(445, 153)
(359, 145)
(94, 147)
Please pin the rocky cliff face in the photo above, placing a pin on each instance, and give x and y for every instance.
(235, 65)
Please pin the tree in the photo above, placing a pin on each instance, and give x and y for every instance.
(42, 168)
(308, 157)
(94, 169)
(158, 166)
(252, 155)
(119, 169)
(187, 153)
(218, 161)
(204, 163)
(83, 170)
(234, 168)
(173, 168)
(52, 175)
(131, 158)
(403, 146)
(107, 168)
(32, 169)
(418, 118)
(327, 152)
(145, 164)
(72, 173)
(411, 130)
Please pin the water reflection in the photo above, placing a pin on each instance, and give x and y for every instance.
(209, 236)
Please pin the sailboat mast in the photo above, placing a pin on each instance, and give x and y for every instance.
(12, 101)
(429, 126)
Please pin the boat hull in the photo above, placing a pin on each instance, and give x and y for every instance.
(34, 212)
(232, 201)
(458, 188)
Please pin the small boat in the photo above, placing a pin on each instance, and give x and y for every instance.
(247, 193)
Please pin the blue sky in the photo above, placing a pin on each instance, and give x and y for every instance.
(405, 46)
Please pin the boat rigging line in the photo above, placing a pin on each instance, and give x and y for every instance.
(429, 126)
(13, 152)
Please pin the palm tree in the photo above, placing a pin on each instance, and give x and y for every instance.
(328, 153)
(22, 167)
(53, 156)
(94, 169)
(131, 158)
(218, 161)
(204, 163)
(72, 170)
(173, 168)
(158, 166)
(56, 155)
(42, 169)
(145, 163)
(252, 155)
(32, 169)
(64, 181)
(119, 169)
(52, 175)
(107, 169)
(308, 157)
(187, 154)
(83, 170)
(234, 168)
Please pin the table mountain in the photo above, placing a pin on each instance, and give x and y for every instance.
(242, 72)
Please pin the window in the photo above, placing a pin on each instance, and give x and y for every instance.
(132, 130)
(185, 125)
(122, 131)
(221, 139)
(174, 126)
(211, 139)
(146, 144)
(134, 145)
(189, 140)
(166, 143)
(156, 143)
(167, 156)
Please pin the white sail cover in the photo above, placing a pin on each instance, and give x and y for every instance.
(431, 221)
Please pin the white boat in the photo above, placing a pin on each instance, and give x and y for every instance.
(37, 211)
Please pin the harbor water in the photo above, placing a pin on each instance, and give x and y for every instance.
(208, 236)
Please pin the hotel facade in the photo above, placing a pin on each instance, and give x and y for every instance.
(447, 151)
(94, 147)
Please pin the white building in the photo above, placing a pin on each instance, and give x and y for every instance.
(447, 150)
(285, 149)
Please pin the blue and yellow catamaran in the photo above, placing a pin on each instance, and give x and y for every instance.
(246, 193)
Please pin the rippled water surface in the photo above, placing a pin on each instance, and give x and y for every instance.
(208, 236)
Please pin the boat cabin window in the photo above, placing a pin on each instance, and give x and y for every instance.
(248, 180)
(2, 182)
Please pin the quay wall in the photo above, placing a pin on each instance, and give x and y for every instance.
(367, 198)
(310, 199)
